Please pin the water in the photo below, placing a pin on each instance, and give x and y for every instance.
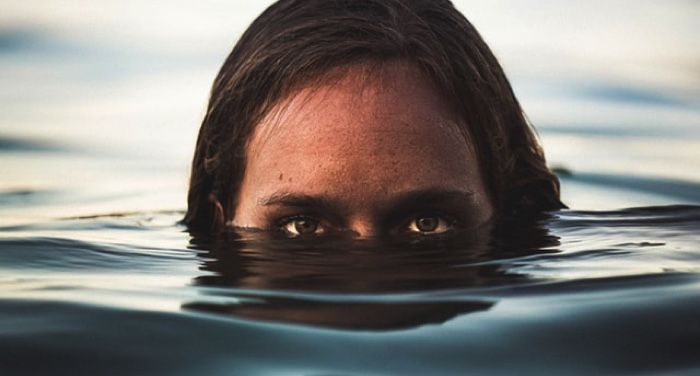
(99, 111)
(578, 292)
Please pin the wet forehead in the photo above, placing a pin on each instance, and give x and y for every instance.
(398, 99)
(392, 135)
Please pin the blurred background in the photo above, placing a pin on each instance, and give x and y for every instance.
(100, 101)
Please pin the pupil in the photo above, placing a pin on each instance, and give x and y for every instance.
(427, 224)
(305, 226)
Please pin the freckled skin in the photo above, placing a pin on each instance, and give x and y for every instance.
(361, 142)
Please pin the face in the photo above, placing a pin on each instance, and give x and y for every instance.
(364, 155)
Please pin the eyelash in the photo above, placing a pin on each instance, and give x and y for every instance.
(450, 221)
(281, 223)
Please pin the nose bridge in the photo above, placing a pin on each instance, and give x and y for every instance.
(364, 226)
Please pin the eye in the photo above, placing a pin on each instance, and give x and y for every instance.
(298, 226)
(429, 224)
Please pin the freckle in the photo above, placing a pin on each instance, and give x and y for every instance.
(281, 176)
(289, 180)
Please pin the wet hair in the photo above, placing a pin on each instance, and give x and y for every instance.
(296, 42)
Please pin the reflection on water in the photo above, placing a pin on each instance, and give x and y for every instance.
(342, 267)
(367, 265)
(574, 292)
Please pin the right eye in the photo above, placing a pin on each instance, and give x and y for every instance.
(299, 226)
(429, 225)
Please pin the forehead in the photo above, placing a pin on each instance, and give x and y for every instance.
(390, 127)
(392, 98)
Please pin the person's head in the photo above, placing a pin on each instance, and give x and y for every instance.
(367, 117)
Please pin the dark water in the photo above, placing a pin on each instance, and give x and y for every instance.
(575, 292)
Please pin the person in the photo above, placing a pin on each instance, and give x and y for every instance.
(365, 119)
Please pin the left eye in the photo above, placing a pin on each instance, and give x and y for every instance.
(429, 224)
(301, 226)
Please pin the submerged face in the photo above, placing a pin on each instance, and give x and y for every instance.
(376, 155)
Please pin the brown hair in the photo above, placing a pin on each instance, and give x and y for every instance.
(294, 42)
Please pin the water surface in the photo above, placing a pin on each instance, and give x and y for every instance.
(576, 292)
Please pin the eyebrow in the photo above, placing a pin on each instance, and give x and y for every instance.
(297, 200)
(410, 199)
